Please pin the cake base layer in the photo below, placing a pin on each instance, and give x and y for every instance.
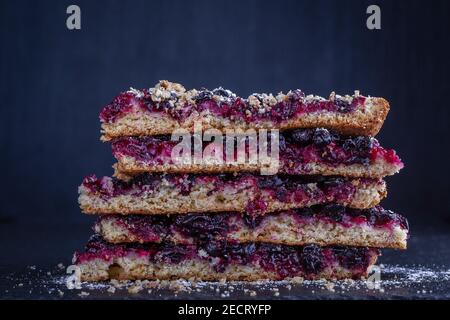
(168, 107)
(321, 225)
(379, 169)
(219, 261)
(255, 195)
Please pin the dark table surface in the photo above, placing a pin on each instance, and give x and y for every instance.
(32, 272)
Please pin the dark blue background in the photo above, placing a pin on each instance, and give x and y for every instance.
(53, 83)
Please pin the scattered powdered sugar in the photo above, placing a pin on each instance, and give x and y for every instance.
(402, 276)
(392, 281)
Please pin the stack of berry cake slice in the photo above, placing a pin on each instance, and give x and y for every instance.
(317, 217)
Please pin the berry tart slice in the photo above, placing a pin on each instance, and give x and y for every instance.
(255, 195)
(168, 106)
(322, 225)
(301, 152)
(221, 261)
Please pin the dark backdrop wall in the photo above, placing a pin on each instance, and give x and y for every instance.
(53, 83)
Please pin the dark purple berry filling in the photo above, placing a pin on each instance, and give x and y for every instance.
(146, 228)
(298, 148)
(376, 216)
(201, 227)
(208, 227)
(288, 189)
(227, 105)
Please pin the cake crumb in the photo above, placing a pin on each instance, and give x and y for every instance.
(111, 289)
(297, 280)
(330, 286)
(135, 288)
(332, 96)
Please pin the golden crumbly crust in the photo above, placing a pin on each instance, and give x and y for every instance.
(366, 120)
(139, 268)
(128, 166)
(167, 200)
(277, 229)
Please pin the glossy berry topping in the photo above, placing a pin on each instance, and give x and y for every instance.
(298, 149)
(202, 227)
(199, 228)
(179, 104)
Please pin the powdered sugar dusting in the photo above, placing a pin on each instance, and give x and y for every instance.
(413, 275)
(395, 281)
